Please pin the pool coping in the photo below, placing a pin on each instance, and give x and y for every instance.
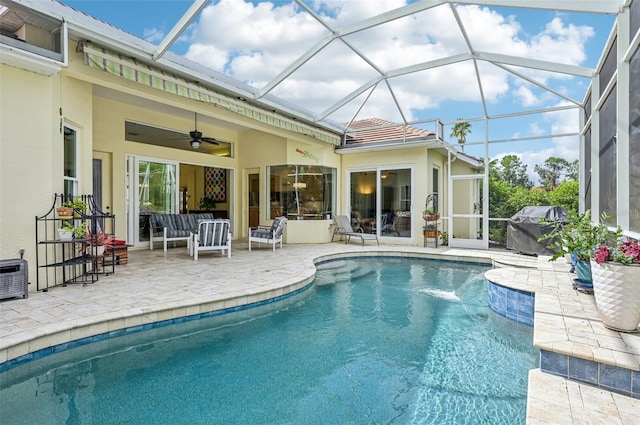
(17, 349)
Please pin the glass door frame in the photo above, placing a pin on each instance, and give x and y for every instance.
(378, 223)
(132, 194)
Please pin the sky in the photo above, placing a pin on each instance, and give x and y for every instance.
(253, 41)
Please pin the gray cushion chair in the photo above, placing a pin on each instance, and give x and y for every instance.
(212, 235)
(343, 227)
(271, 235)
(174, 227)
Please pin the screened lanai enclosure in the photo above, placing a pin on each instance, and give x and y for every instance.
(561, 97)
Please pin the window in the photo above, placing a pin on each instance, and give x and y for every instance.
(435, 179)
(71, 168)
(301, 192)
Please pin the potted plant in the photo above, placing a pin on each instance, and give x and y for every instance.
(207, 203)
(616, 283)
(430, 214)
(77, 206)
(579, 236)
(70, 231)
(460, 130)
(430, 231)
(96, 243)
(64, 212)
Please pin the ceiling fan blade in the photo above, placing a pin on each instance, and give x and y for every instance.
(209, 140)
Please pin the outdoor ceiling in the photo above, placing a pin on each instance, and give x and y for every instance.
(432, 72)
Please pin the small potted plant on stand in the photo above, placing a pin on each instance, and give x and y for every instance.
(97, 243)
(69, 230)
(616, 283)
(65, 212)
(72, 208)
(429, 214)
(430, 231)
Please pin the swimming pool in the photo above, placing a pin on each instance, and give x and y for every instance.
(372, 341)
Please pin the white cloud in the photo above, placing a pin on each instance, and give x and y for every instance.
(525, 96)
(255, 42)
(153, 35)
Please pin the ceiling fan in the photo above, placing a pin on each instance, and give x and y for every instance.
(197, 138)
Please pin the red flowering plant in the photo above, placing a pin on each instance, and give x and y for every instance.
(625, 252)
(98, 238)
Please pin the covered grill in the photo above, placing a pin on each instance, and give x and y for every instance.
(524, 228)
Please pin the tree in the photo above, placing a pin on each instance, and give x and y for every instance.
(460, 130)
(514, 172)
(572, 171)
(552, 171)
(566, 195)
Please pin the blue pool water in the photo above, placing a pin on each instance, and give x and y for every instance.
(373, 341)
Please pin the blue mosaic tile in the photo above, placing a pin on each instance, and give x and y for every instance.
(512, 295)
(525, 311)
(583, 370)
(133, 329)
(635, 384)
(501, 291)
(555, 363)
(615, 377)
(42, 353)
(512, 306)
(116, 333)
(526, 321)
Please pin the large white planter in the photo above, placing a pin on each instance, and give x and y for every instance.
(616, 288)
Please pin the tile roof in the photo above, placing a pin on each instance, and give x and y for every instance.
(372, 130)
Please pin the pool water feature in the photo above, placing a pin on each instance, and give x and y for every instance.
(372, 341)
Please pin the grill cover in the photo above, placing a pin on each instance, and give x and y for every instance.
(524, 229)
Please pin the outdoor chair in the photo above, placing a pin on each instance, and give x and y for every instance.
(391, 227)
(343, 228)
(270, 235)
(212, 235)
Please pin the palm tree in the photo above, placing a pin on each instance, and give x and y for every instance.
(460, 130)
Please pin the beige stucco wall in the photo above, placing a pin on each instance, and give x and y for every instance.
(28, 137)
(32, 109)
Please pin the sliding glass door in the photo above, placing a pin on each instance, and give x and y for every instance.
(381, 201)
(152, 189)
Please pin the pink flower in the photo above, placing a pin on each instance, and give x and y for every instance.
(626, 252)
(601, 254)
